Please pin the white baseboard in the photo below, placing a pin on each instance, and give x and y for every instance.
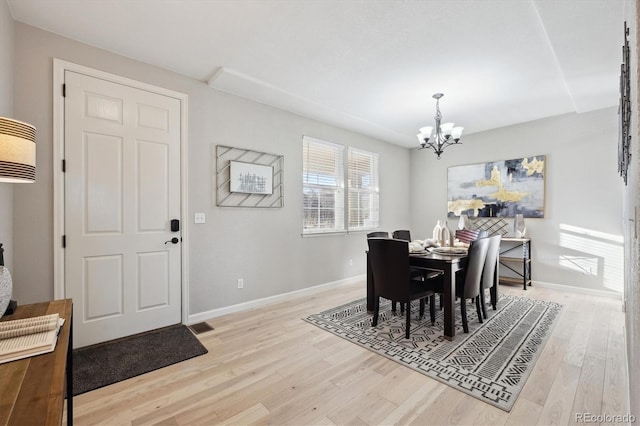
(626, 363)
(252, 304)
(590, 291)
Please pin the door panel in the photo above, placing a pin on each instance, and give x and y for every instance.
(102, 282)
(153, 179)
(122, 188)
(153, 282)
(103, 183)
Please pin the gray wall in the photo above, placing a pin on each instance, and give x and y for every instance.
(6, 110)
(263, 246)
(631, 214)
(583, 190)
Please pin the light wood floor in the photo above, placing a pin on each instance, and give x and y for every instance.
(267, 366)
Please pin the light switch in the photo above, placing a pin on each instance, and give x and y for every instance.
(199, 218)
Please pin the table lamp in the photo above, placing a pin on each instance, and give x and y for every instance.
(17, 165)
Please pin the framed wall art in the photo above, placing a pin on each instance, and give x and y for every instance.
(498, 188)
(248, 178)
(624, 110)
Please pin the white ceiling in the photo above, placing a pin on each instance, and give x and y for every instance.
(369, 66)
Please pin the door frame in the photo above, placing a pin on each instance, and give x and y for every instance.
(59, 68)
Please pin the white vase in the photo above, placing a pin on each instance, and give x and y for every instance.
(463, 223)
(519, 227)
(436, 231)
(445, 235)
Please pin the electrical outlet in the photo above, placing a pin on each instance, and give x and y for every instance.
(240, 283)
(350, 262)
(199, 218)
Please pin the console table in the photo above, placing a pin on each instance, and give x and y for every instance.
(33, 389)
(516, 257)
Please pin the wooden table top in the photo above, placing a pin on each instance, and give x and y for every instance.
(33, 389)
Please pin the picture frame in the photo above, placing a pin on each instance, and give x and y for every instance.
(250, 178)
(624, 111)
(224, 155)
(498, 189)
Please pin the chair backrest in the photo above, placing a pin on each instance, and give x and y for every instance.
(467, 235)
(402, 234)
(378, 234)
(475, 264)
(390, 267)
(490, 263)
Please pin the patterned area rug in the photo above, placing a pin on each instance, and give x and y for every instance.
(491, 362)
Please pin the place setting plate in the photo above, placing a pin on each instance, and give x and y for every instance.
(448, 250)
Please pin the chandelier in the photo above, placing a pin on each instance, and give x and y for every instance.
(444, 135)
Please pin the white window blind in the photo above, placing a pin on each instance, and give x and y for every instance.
(322, 186)
(363, 190)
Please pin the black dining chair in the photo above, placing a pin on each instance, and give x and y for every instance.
(469, 286)
(378, 234)
(402, 234)
(468, 280)
(393, 281)
(490, 272)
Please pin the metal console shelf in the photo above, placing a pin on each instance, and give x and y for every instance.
(519, 265)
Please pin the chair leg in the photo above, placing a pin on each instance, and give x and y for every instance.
(408, 320)
(393, 307)
(463, 313)
(478, 309)
(376, 310)
(421, 308)
(483, 303)
(493, 291)
(441, 301)
(432, 309)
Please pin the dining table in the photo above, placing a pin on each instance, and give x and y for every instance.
(450, 264)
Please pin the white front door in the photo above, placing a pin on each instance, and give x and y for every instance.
(122, 189)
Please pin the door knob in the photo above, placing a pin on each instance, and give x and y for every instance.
(174, 240)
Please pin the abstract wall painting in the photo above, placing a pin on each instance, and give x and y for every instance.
(498, 188)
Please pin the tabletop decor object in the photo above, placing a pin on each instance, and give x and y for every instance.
(6, 289)
(463, 222)
(445, 134)
(442, 234)
(436, 230)
(519, 227)
(493, 225)
(491, 363)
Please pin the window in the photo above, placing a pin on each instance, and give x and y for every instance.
(322, 186)
(363, 189)
(326, 205)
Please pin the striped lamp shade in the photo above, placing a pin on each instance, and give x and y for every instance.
(17, 151)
